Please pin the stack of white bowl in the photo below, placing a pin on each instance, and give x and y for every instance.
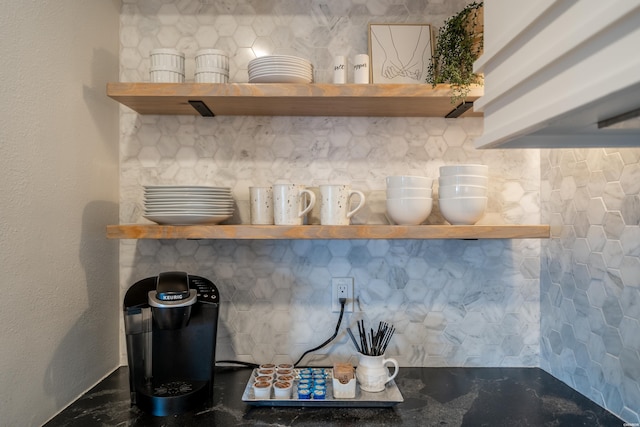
(409, 200)
(212, 66)
(167, 66)
(462, 193)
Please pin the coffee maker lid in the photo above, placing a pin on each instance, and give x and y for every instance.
(172, 291)
(172, 286)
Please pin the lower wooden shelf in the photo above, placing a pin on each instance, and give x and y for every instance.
(274, 232)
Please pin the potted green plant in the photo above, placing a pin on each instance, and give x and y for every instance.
(459, 43)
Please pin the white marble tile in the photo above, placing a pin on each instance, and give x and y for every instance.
(603, 332)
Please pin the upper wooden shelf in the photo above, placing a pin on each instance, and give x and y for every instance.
(274, 232)
(279, 99)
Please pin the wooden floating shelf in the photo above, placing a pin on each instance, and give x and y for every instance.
(280, 99)
(276, 232)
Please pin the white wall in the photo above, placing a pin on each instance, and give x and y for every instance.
(59, 178)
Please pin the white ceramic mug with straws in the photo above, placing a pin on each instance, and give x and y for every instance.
(372, 373)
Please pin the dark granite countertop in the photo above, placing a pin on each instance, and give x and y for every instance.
(432, 397)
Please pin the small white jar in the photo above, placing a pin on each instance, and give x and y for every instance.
(168, 59)
(212, 58)
(167, 66)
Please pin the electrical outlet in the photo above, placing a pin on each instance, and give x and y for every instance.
(342, 287)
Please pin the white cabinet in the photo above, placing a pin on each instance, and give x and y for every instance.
(560, 73)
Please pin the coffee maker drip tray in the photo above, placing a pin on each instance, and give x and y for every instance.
(172, 397)
(176, 388)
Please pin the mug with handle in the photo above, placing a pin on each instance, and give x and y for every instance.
(372, 373)
(291, 202)
(261, 205)
(336, 203)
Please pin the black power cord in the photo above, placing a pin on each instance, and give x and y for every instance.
(335, 334)
(239, 362)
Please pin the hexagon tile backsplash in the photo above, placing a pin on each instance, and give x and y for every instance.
(460, 303)
(454, 303)
(590, 280)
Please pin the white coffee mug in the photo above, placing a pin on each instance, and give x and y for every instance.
(291, 202)
(261, 205)
(313, 217)
(335, 204)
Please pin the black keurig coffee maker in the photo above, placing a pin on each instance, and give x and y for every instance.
(170, 324)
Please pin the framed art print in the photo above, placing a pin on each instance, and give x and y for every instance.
(400, 53)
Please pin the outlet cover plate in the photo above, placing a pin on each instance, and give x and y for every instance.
(339, 282)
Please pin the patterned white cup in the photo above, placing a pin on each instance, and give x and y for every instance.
(261, 205)
(313, 217)
(291, 202)
(335, 205)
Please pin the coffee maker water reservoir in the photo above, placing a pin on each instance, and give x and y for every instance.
(170, 324)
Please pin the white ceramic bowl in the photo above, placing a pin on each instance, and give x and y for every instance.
(400, 192)
(477, 180)
(409, 211)
(449, 191)
(449, 170)
(409, 181)
(463, 210)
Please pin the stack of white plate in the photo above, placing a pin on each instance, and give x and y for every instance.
(280, 69)
(186, 204)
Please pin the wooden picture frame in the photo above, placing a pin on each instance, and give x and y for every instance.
(400, 53)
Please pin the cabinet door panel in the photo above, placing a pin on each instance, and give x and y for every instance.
(573, 66)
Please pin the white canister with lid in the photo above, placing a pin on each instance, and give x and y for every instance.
(167, 59)
(167, 66)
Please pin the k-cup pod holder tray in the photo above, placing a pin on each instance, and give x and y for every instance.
(390, 396)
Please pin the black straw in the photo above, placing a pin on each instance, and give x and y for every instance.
(354, 340)
(373, 343)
